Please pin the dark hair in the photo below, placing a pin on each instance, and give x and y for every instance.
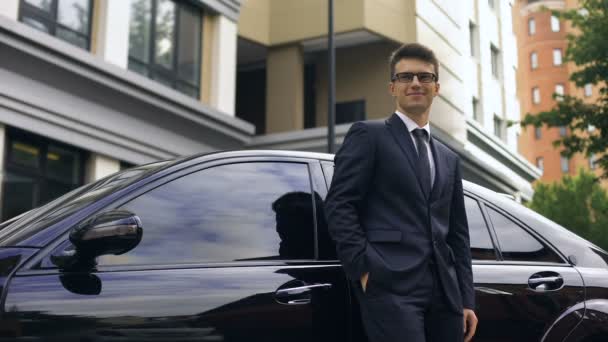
(416, 51)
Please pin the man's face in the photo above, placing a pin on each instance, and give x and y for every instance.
(414, 97)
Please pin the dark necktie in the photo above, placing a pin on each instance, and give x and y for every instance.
(423, 166)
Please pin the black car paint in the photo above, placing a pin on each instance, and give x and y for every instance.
(241, 301)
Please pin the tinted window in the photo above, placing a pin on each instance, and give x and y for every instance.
(244, 211)
(481, 243)
(38, 219)
(328, 170)
(516, 244)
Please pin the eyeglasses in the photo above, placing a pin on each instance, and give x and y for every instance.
(407, 77)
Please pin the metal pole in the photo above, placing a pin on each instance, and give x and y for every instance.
(331, 103)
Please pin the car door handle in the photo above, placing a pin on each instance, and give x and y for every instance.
(298, 295)
(301, 289)
(546, 282)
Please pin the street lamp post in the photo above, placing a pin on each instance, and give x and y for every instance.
(331, 110)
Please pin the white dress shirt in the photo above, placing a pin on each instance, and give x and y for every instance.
(411, 126)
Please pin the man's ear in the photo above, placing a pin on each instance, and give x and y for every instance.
(391, 88)
(437, 86)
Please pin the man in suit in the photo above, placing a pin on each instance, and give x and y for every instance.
(396, 211)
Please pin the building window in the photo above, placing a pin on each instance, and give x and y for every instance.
(37, 170)
(472, 39)
(559, 92)
(350, 111)
(588, 90)
(476, 110)
(498, 127)
(557, 56)
(531, 26)
(534, 60)
(68, 20)
(535, 95)
(563, 131)
(554, 24)
(565, 164)
(538, 133)
(165, 43)
(495, 59)
(540, 163)
(592, 162)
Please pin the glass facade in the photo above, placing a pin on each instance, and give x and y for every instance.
(37, 170)
(68, 20)
(165, 40)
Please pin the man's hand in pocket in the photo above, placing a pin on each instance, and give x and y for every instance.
(364, 278)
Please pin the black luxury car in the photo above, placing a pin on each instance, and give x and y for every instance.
(233, 246)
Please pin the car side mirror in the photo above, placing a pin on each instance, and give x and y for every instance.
(114, 232)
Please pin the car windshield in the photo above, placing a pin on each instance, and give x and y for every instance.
(25, 225)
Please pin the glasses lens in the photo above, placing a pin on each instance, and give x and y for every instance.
(405, 77)
(425, 77)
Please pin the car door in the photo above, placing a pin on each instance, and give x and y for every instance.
(528, 285)
(228, 253)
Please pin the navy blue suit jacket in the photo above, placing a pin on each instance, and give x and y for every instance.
(384, 224)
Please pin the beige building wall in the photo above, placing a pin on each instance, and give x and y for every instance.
(275, 22)
(285, 89)
(254, 21)
(361, 73)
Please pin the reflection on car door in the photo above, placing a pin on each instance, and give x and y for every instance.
(228, 253)
(522, 293)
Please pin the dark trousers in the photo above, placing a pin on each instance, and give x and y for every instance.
(420, 316)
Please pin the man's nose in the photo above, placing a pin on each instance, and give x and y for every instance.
(415, 82)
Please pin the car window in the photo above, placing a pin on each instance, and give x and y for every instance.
(233, 212)
(516, 244)
(481, 243)
(36, 220)
(328, 170)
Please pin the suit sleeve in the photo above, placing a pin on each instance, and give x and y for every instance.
(458, 239)
(353, 172)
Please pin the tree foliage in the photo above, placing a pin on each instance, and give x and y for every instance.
(578, 203)
(588, 50)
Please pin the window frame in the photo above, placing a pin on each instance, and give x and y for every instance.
(536, 90)
(485, 205)
(588, 90)
(495, 61)
(51, 20)
(153, 68)
(540, 163)
(564, 161)
(538, 133)
(485, 218)
(558, 61)
(533, 60)
(531, 26)
(592, 161)
(317, 184)
(41, 174)
(555, 24)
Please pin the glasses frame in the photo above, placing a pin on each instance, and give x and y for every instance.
(401, 77)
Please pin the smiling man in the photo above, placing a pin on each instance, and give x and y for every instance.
(396, 211)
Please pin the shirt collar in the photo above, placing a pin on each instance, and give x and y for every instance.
(412, 125)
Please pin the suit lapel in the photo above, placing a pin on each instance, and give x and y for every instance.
(440, 167)
(404, 140)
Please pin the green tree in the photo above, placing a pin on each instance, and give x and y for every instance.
(588, 50)
(578, 203)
